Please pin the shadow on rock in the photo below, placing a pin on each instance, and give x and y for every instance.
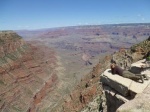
(135, 70)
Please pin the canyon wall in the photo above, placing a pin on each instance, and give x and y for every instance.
(28, 73)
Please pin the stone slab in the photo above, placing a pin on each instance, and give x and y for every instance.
(124, 85)
(118, 83)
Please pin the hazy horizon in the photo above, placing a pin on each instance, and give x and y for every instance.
(70, 26)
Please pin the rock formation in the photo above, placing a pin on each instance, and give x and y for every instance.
(139, 104)
(141, 101)
(125, 95)
(28, 73)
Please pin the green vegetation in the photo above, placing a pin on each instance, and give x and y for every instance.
(142, 45)
(11, 56)
(1, 82)
(21, 50)
(1, 42)
(2, 61)
(14, 55)
(25, 47)
(46, 110)
(29, 92)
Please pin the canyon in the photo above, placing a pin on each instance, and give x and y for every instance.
(46, 72)
(94, 41)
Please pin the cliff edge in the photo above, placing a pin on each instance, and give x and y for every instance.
(141, 101)
(126, 95)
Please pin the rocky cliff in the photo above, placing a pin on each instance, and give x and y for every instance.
(122, 94)
(28, 73)
(141, 101)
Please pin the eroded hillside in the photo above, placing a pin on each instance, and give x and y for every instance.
(31, 75)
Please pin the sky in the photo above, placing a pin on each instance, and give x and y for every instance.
(37, 14)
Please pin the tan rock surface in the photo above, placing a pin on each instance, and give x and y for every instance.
(141, 103)
(117, 82)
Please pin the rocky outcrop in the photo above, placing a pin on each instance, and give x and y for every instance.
(119, 90)
(121, 94)
(141, 101)
(139, 50)
(133, 96)
(123, 85)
